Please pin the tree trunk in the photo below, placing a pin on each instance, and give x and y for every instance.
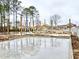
(16, 20)
(21, 24)
(30, 25)
(33, 22)
(1, 22)
(4, 21)
(8, 24)
(26, 23)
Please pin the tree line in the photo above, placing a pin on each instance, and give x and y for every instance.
(8, 7)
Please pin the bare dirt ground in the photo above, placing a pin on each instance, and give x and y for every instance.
(75, 45)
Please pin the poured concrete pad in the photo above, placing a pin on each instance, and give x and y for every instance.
(36, 48)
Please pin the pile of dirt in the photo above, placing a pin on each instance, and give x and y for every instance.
(75, 45)
(75, 42)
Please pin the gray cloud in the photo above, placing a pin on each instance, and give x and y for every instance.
(65, 8)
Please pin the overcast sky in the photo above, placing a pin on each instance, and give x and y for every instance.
(65, 8)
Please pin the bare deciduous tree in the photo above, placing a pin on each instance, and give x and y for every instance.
(56, 18)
